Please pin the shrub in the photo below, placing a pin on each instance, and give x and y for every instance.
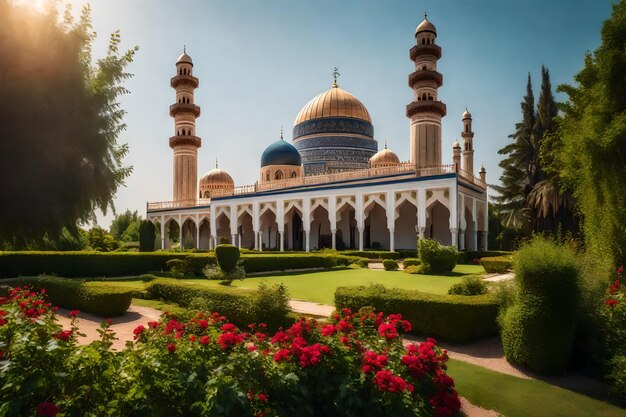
(469, 285)
(91, 297)
(362, 263)
(267, 263)
(498, 264)
(437, 258)
(416, 269)
(179, 268)
(468, 257)
(538, 329)
(353, 365)
(372, 254)
(390, 265)
(227, 257)
(93, 264)
(411, 262)
(452, 318)
(243, 306)
(613, 314)
(147, 235)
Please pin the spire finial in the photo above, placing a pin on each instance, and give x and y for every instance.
(281, 133)
(335, 76)
(184, 49)
(425, 15)
(385, 143)
(216, 166)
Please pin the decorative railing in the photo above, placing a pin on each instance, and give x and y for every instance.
(363, 174)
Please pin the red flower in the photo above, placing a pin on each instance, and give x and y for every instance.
(228, 327)
(386, 381)
(74, 313)
(2, 321)
(1, 355)
(280, 337)
(610, 302)
(310, 355)
(446, 404)
(203, 324)
(171, 348)
(228, 339)
(388, 331)
(204, 340)
(138, 331)
(329, 330)
(192, 337)
(64, 335)
(251, 348)
(263, 397)
(47, 409)
(406, 326)
(282, 355)
(345, 326)
(153, 324)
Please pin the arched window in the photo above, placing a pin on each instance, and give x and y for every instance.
(424, 96)
(423, 41)
(293, 174)
(207, 194)
(424, 68)
(278, 175)
(180, 72)
(184, 132)
(467, 128)
(267, 176)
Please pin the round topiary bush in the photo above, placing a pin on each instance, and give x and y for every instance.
(470, 285)
(227, 257)
(390, 265)
(436, 257)
(410, 262)
(538, 329)
(415, 269)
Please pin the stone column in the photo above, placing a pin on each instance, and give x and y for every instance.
(422, 231)
(234, 238)
(392, 243)
(462, 239)
(485, 241)
(180, 233)
(197, 232)
(239, 240)
(333, 232)
(361, 231)
(282, 240)
(261, 241)
(162, 232)
(307, 240)
(454, 232)
(475, 239)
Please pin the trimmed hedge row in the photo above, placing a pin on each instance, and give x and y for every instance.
(264, 263)
(411, 262)
(241, 306)
(468, 257)
(497, 264)
(372, 254)
(452, 318)
(93, 264)
(90, 297)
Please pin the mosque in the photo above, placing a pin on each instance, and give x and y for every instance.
(331, 187)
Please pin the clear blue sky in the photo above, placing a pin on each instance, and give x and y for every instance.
(259, 62)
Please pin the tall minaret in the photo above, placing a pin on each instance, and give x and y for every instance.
(456, 156)
(426, 111)
(468, 145)
(185, 143)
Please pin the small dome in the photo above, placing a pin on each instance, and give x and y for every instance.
(482, 169)
(184, 59)
(466, 115)
(456, 144)
(334, 102)
(281, 153)
(384, 157)
(425, 26)
(216, 178)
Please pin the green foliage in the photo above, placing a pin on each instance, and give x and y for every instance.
(179, 268)
(617, 377)
(470, 285)
(452, 318)
(410, 262)
(147, 236)
(242, 306)
(372, 254)
(95, 264)
(416, 269)
(125, 226)
(498, 264)
(473, 257)
(70, 157)
(100, 241)
(227, 257)
(436, 257)
(91, 297)
(592, 155)
(538, 329)
(267, 263)
(390, 265)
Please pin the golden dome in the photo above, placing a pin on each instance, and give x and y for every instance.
(334, 102)
(426, 26)
(215, 179)
(384, 157)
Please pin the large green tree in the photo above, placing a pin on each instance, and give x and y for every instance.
(60, 159)
(125, 226)
(592, 159)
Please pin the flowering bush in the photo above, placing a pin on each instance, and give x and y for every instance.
(353, 365)
(614, 313)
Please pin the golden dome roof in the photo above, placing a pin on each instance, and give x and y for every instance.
(384, 157)
(216, 178)
(334, 102)
(426, 26)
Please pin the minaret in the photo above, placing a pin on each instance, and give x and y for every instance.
(456, 155)
(483, 174)
(185, 143)
(426, 111)
(468, 145)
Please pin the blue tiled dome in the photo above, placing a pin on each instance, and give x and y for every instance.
(281, 153)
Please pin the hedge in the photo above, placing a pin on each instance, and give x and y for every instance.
(264, 263)
(390, 264)
(497, 264)
(411, 262)
(93, 264)
(241, 306)
(90, 297)
(452, 318)
(372, 254)
(467, 257)
(227, 257)
(436, 257)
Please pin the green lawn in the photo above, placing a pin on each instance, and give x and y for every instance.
(320, 287)
(517, 397)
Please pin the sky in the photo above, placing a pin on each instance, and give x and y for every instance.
(260, 61)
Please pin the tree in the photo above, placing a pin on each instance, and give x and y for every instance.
(101, 241)
(59, 123)
(147, 236)
(593, 132)
(125, 226)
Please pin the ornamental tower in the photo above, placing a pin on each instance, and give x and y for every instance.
(468, 145)
(185, 143)
(426, 111)
(456, 156)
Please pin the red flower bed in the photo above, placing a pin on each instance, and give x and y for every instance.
(355, 364)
